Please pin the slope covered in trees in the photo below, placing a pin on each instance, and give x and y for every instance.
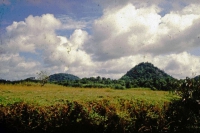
(147, 75)
(146, 71)
(62, 77)
(197, 77)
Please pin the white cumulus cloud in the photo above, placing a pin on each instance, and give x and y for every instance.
(35, 38)
(129, 31)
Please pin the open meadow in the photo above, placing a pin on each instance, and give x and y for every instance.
(51, 94)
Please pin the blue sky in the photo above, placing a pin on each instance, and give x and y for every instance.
(98, 37)
(16, 10)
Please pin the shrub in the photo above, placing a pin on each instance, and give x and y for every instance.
(184, 114)
(94, 116)
(118, 86)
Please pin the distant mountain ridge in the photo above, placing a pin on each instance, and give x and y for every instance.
(145, 71)
(62, 77)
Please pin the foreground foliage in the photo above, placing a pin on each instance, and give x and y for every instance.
(185, 113)
(97, 116)
(28, 107)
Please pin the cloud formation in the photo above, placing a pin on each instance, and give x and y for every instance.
(70, 24)
(126, 34)
(127, 31)
(33, 33)
(37, 35)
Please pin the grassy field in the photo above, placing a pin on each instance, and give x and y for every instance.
(51, 94)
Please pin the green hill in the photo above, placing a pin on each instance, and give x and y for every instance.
(197, 77)
(147, 75)
(145, 71)
(62, 77)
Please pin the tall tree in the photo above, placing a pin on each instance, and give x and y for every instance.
(43, 77)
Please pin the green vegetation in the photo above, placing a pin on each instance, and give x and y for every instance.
(146, 75)
(102, 105)
(51, 94)
(93, 117)
(143, 75)
(146, 71)
(28, 107)
(59, 77)
(185, 112)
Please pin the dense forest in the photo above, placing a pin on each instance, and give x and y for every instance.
(147, 75)
(59, 77)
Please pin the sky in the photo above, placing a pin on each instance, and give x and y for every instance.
(90, 38)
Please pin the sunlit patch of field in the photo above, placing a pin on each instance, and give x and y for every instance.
(51, 94)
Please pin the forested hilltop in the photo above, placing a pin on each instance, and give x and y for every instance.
(147, 75)
(146, 71)
(58, 77)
